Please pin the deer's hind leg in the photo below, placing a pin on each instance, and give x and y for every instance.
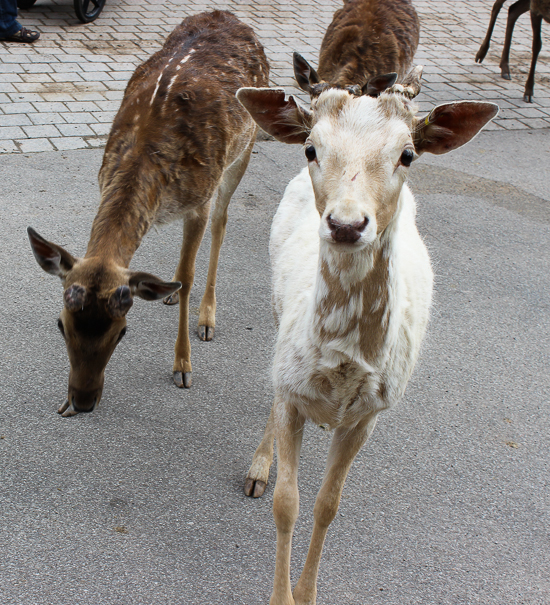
(230, 181)
(486, 42)
(345, 445)
(258, 474)
(194, 226)
(514, 12)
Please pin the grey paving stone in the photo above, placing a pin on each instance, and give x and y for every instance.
(28, 145)
(46, 130)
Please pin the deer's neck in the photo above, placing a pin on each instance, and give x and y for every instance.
(125, 215)
(353, 302)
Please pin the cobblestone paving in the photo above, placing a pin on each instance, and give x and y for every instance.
(63, 91)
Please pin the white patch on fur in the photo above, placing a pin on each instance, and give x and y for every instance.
(172, 80)
(156, 87)
(186, 58)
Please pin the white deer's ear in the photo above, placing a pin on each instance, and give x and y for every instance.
(51, 257)
(450, 126)
(284, 119)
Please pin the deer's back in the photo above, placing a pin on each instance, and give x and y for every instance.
(179, 120)
(368, 38)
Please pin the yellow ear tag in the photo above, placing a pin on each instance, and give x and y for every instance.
(427, 120)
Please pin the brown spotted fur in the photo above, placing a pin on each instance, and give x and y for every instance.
(367, 38)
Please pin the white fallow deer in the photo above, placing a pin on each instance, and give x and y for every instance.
(179, 137)
(352, 286)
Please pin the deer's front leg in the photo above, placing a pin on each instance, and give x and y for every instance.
(343, 449)
(194, 227)
(536, 22)
(289, 429)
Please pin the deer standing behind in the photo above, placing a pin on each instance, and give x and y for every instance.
(539, 10)
(366, 38)
(352, 286)
(179, 137)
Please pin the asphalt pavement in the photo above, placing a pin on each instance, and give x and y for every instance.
(141, 501)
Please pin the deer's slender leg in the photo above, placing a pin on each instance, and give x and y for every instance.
(482, 52)
(258, 474)
(345, 445)
(516, 10)
(230, 181)
(289, 426)
(194, 227)
(536, 22)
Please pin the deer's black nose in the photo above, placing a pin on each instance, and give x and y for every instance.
(346, 233)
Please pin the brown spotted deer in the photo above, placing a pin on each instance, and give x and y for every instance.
(539, 10)
(352, 286)
(366, 38)
(179, 138)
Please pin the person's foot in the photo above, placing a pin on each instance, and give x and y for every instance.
(23, 35)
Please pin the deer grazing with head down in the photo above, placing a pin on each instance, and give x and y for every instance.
(366, 38)
(352, 285)
(179, 138)
(539, 10)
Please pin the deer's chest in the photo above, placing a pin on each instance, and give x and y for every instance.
(332, 390)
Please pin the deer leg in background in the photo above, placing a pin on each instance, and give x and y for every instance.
(194, 227)
(258, 474)
(486, 42)
(345, 445)
(516, 10)
(230, 181)
(536, 23)
(289, 430)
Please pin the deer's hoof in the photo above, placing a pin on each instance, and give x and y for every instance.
(182, 379)
(480, 56)
(206, 332)
(173, 299)
(528, 98)
(505, 73)
(254, 488)
(66, 410)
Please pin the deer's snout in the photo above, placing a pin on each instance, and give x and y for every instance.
(84, 401)
(347, 233)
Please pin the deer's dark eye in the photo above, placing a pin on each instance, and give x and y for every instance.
(310, 153)
(61, 328)
(407, 157)
(121, 335)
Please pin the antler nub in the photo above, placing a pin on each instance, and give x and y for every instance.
(75, 297)
(411, 85)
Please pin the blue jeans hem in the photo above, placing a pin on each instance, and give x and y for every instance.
(6, 34)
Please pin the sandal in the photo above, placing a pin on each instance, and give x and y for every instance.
(23, 35)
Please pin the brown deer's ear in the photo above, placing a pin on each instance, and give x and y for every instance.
(377, 85)
(51, 257)
(303, 72)
(285, 120)
(150, 287)
(450, 126)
